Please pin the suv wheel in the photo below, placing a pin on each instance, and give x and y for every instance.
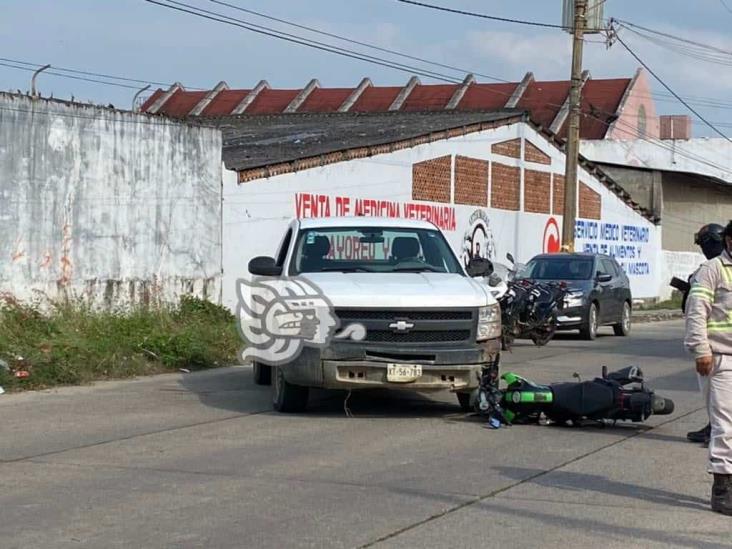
(622, 328)
(589, 328)
(286, 397)
(262, 374)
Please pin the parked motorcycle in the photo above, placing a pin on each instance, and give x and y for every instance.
(616, 396)
(528, 309)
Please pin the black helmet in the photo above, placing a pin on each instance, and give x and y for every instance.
(710, 239)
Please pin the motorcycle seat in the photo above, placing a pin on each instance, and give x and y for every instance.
(581, 399)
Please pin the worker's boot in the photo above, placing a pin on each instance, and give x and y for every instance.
(701, 436)
(722, 494)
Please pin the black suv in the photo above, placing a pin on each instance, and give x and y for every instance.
(599, 290)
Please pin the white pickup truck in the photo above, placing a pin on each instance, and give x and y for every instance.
(428, 324)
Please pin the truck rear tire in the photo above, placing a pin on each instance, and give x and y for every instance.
(262, 374)
(286, 397)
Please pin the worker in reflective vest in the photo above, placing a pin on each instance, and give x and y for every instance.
(710, 240)
(709, 338)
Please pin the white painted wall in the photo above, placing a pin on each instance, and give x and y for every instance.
(679, 264)
(114, 206)
(706, 156)
(256, 213)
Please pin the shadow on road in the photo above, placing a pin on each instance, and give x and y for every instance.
(233, 389)
(612, 531)
(377, 403)
(583, 482)
(229, 389)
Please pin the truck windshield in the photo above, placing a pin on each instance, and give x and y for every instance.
(373, 249)
(558, 268)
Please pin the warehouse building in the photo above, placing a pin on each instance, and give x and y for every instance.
(493, 182)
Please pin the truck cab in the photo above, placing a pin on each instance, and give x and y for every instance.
(424, 322)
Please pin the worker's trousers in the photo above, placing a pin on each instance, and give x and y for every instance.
(717, 390)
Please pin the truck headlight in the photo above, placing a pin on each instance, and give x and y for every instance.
(574, 299)
(489, 322)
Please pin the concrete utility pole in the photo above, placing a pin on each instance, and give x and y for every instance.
(573, 133)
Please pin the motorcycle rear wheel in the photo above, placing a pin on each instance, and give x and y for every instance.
(662, 406)
(543, 335)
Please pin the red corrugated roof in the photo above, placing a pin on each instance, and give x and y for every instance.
(429, 98)
(325, 99)
(376, 99)
(601, 99)
(181, 103)
(486, 96)
(543, 100)
(225, 102)
(271, 101)
(150, 100)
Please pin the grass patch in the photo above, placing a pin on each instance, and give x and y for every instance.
(70, 343)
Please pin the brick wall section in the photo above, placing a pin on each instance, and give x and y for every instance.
(532, 153)
(471, 181)
(510, 148)
(558, 203)
(431, 179)
(590, 203)
(505, 187)
(537, 186)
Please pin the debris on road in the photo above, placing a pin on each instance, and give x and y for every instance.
(656, 315)
(184, 370)
(2, 390)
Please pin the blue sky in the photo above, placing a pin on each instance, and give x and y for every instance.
(139, 40)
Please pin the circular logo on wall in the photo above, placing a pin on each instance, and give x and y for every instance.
(552, 238)
(478, 239)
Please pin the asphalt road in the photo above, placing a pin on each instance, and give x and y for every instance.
(199, 460)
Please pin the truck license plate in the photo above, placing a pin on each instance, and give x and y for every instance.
(403, 373)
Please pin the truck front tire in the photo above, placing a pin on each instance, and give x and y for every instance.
(286, 397)
(262, 374)
(464, 400)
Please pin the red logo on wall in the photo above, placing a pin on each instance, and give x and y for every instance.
(552, 238)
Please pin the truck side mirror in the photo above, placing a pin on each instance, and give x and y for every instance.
(603, 277)
(510, 258)
(264, 266)
(479, 266)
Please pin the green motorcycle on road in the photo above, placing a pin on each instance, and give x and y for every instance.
(616, 396)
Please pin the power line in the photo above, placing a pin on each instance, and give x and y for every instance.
(222, 18)
(53, 73)
(700, 101)
(672, 37)
(669, 89)
(386, 63)
(327, 47)
(402, 54)
(357, 42)
(725, 6)
(90, 73)
(483, 16)
(680, 47)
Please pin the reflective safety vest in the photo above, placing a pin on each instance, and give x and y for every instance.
(709, 309)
